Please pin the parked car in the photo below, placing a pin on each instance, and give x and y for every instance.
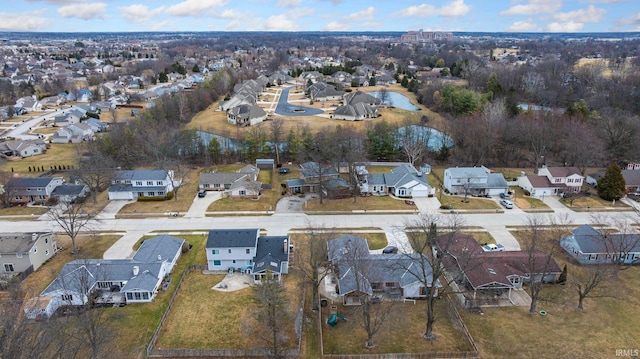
(505, 195)
(493, 247)
(202, 193)
(506, 203)
(283, 170)
(390, 250)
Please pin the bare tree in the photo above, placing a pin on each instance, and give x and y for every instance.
(314, 265)
(383, 95)
(276, 128)
(592, 281)
(72, 219)
(321, 151)
(350, 150)
(272, 317)
(95, 170)
(533, 85)
(414, 141)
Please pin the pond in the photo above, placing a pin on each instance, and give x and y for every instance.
(397, 100)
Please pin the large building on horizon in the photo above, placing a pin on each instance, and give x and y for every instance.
(425, 36)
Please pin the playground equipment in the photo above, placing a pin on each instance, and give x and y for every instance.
(333, 319)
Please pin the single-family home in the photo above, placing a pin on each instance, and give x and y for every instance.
(132, 184)
(246, 115)
(403, 181)
(360, 274)
(244, 250)
(491, 273)
(96, 125)
(24, 148)
(64, 135)
(312, 175)
(82, 131)
(322, 92)
(587, 245)
(70, 192)
(31, 189)
(552, 181)
(25, 252)
(115, 281)
(475, 181)
(241, 184)
(631, 179)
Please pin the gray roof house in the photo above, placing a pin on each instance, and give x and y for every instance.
(631, 179)
(31, 189)
(241, 184)
(24, 148)
(587, 245)
(25, 252)
(358, 272)
(131, 184)
(404, 181)
(474, 180)
(320, 91)
(136, 279)
(70, 192)
(246, 115)
(246, 251)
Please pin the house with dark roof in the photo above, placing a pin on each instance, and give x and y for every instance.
(246, 115)
(24, 148)
(244, 250)
(359, 273)
(482, 272)
(474, 181)
(31, 189)
(403, 181)
(241, 184)
(70, 192)
(25, 252)
(131, 280)
(132, 184)
(314, 177)
(552, 181)
(322, 92)
(631, 179)
(357, 106)
(587, 245)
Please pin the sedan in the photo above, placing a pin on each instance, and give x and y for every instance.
(506, 203)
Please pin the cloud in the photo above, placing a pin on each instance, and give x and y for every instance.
(335, 26)
(288, 3)
(60, 2)
(194, 7)
(280, 23)
(161, 25)
(84, 11)
(523, 26)
(534, 7)
(633, 20)
(590, 14)
(334, 2)
(366, 14)
(454, 8)
(29, 21)
(569, 26)
(139, 13)
(607, 1)
(451, 9)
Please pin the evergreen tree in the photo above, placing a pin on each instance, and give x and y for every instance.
(563, 276)
(612, 185)
(195, 68)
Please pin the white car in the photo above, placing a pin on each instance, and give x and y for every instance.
(493, 247)
(506, 203)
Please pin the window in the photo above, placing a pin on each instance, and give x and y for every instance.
(138, 183)
(35, 249)
(215, 251)
(68, 297)
(229, 250)
(234, 261)
(145, 295)
(46, 240)
(151, 194)
(46, 252)
(248, 250)
(206, 185)
(137, 295)
(390, 284)
(161, 193)
(242, 192)
(216, 185)
(8, 267)
(425, 291)
(216, 263)
(129, 296)
(159, 183)
(149, 183)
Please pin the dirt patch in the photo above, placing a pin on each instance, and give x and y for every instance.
(232, 282)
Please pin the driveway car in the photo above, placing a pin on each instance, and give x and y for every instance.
(390, 250)
(202, 193)
(493, 247)
(506, 203)
(505, 195)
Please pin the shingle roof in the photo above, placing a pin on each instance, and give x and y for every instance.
(270, 253)
(140, 175)
(17, 242)
(220, 177)
(29, 182)
(227, 238)
(68, 190)
(590, 240)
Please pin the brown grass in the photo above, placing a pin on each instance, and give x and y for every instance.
(56, 155)
(456, 202)
(361, 203)
(23, 211)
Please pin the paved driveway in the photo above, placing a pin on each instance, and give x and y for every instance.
(286, 109)
(200, 204)
(111, 209)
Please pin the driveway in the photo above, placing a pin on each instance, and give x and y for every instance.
(111, 209)
(427, 205)
(199, 206)
(286, 109)
(292, 204)
(502, 236)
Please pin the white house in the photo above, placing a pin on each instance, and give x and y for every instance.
(552, 181)
(131, 184)
(20, 252)
(477, 181)
(24, 148)
(404, 181)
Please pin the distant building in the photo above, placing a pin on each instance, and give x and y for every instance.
(425, 36)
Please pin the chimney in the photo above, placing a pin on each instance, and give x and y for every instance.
(159, 257)
(136, 269)
(286, 246)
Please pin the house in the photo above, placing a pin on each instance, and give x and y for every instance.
(25, 252)
(132, 184)
(65, 135)
(67, 119)
(244, 250)
(312, 175)
(115, 281)
(404, 181)
(246, 115)
(24, 148)
(552, 181)
(246, 188)
(241, 184)
(31, 189)
(631, 179)
(491, 273)
(476, 181)
(81, 131)
(322, 92)
(587, 245)
(358, 273)
(96, 125)
(70, 192)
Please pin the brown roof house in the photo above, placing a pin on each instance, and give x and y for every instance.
(552, 181)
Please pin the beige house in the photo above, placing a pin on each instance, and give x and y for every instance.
(20, 252)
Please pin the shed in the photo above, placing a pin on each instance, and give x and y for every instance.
(265, 163)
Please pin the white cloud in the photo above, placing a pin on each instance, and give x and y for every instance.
(280, 22)
(60, 2)
(366, 14)
(299, 13)
(334, 2)
(288, 3)
(139, 13)
(335, 26)
(451, 9)
(193, 7)
(85, 11)
(590, 14)
(30, 21)
(523, 26)
(607, 1)
(454, 8)
(631, 20)
(160, 25)
(534, 7)
(569, 26)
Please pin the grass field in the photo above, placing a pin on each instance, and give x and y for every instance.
(361, 203)
(56, 155)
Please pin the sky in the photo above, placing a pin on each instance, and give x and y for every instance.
(320, 15)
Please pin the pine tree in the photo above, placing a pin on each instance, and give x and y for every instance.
(563, 276)
(612, 185)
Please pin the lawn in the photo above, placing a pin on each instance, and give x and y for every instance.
(361, 203)
(457, 202)
(592, 201)
(266, 202)
(57, 155)
(525, 202)
(23, 211)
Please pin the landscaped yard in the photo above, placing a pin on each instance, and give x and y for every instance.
(57, 155)
(457, 202)
(361, 203)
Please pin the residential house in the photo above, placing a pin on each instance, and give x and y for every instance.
(404, 181)
(246, 115)
(552, 181)
(29, 103)
(360, 274)
(64, 135)
(312, 175)
(266, 163)
(131, 280)
(68, 118)
(631, 179)
(311, 76)
(31, 189)
(357, 106)
(82, 131)
(244, 250)
(96, 125)
(322, 92)
(70, 192)
(25, 252)
(476, 181)
(587, 245)
(24, 148)
(132, 184)
(246, 188)
(241, 184)
(491, 273)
